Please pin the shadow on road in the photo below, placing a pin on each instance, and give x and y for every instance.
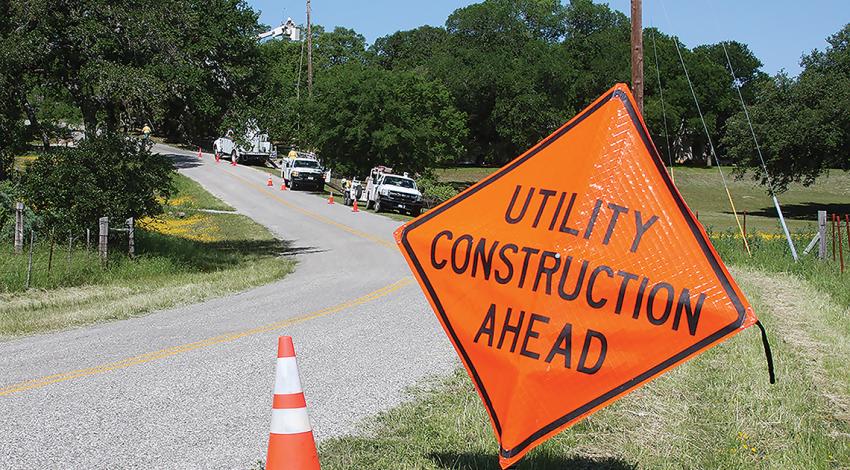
(301, 250)
(182, 162)
(475, 461)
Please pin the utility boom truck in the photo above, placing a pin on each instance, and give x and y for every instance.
(386, 191)
(256, 149)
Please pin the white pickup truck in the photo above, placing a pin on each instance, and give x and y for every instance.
(257, 147)
(303, 171)
(386, 191)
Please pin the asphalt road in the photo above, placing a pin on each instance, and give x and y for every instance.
(192, 387)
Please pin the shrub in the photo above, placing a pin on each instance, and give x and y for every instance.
(107, 176)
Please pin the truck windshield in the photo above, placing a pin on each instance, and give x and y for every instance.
(401, 182)
(306, 164)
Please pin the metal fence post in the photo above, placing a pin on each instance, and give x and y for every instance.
(103, 239)
(131, 242)
(822, 233)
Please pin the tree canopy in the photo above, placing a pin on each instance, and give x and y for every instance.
(498, 77)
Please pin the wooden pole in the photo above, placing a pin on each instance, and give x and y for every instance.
(50, 256)
(309, 52)
(131, 238)
(19, 228)
(840, 244)
(29, 263)
(88, 240)
(833, 237)
(847, 222)
(745, 229)
(103, 239)
(637, 53)
(822, 233)
(70, 241)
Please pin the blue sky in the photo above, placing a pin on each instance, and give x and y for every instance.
(778, 31)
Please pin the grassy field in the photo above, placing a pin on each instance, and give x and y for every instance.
(702, 188)
(717, 411)
(185, 256)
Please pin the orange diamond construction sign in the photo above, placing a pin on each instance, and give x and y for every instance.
(572, 275)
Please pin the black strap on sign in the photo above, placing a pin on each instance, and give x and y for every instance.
(767, 353)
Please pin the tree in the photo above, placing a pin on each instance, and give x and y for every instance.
(179, 62)
(411, 50)
(802, 125)
(365, 116)
(106, 176)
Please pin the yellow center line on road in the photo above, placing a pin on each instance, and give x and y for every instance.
(205, 343)
(264, 190)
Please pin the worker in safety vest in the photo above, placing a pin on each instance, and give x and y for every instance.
(146, 131)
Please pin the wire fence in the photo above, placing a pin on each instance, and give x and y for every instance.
(50, 258)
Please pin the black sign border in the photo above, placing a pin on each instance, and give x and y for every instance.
(634, 382)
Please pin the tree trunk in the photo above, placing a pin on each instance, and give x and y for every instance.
(89, 111)
(111, 119)
(30, 110)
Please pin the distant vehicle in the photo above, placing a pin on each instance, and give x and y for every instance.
(303, 171)
(387, 191)
(256, 149)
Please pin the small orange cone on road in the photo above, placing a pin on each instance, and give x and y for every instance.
(269, 182)
(331, 197)
(217, 157)
(354, 206)
(200, 155)
(232, 161)
(283, 185)
(291, 443)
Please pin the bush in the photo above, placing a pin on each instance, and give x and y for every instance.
(435, 192)
(107, 176)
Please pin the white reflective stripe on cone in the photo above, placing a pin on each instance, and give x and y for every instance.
(286, 376)
(290, 421)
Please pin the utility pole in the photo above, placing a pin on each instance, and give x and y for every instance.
(309, 53)
(637, 53)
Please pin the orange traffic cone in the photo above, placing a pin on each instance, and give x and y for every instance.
(269, 182)
(232, 160)
(283, 185)
(200, 155)
(291, 443)
(217, 157)
(354, 206)
(330, 197)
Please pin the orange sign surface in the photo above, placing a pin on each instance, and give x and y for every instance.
(572, 275)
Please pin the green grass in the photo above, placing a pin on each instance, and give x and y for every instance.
(185, 256)
(717, 411)
(188, 194)
(703, 190)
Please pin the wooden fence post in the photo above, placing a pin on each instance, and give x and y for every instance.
(29, 264)
(131, 237)
(19, 228)
(103, 239)
(822, 233)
